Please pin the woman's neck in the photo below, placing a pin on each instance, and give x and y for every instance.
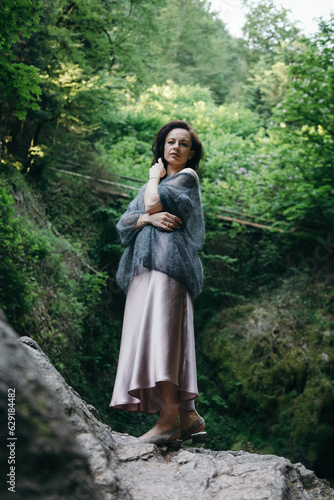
(173, 171)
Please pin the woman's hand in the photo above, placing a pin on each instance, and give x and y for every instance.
(151, 198)
(163, 220)
(158, 169)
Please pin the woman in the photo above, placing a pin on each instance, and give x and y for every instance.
(163, 230)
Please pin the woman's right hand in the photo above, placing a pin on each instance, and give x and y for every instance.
(164, 220)
(158, 169)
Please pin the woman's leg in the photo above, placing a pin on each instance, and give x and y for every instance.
(188, 418)
(168, 417)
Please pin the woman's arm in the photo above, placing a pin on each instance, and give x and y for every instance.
(152, 200)
(164, 220)
(191, 171)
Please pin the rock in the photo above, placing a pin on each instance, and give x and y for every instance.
(200, 474)
(63, 450)
(58, 450)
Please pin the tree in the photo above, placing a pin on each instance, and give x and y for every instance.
(82, 52)
(305, 126)
(269, 34)
(196, 48)
(267, 26)
(19, 80)
(266, 86)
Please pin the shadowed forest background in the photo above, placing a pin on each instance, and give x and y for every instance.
(84, 86)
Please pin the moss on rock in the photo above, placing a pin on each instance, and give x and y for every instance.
(273, 358)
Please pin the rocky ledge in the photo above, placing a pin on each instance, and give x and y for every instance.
(63, 451)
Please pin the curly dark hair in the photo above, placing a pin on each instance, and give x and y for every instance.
(160, 138)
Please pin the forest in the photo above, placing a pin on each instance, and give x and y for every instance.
(84, 87)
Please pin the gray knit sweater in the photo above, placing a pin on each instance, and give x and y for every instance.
(174, 253)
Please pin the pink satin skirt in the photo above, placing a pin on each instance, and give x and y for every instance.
(157, 344)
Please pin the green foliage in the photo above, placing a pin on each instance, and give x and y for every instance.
(19, 81)
(19, 252)
(309, 101)
(267, 26)
(195, 48)
(18, 20)
(44, 290)
(304, 127)
(273, 361)
(24, 91)
(274, 38)
(267, 86)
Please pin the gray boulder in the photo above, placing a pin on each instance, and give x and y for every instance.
(63, 450)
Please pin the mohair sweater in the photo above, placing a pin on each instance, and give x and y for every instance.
(174, 253)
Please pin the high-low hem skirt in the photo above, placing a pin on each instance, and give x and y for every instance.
(157, 344)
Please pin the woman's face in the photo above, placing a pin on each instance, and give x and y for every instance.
(177, 149)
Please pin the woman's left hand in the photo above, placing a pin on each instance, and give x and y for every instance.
(163, 220)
